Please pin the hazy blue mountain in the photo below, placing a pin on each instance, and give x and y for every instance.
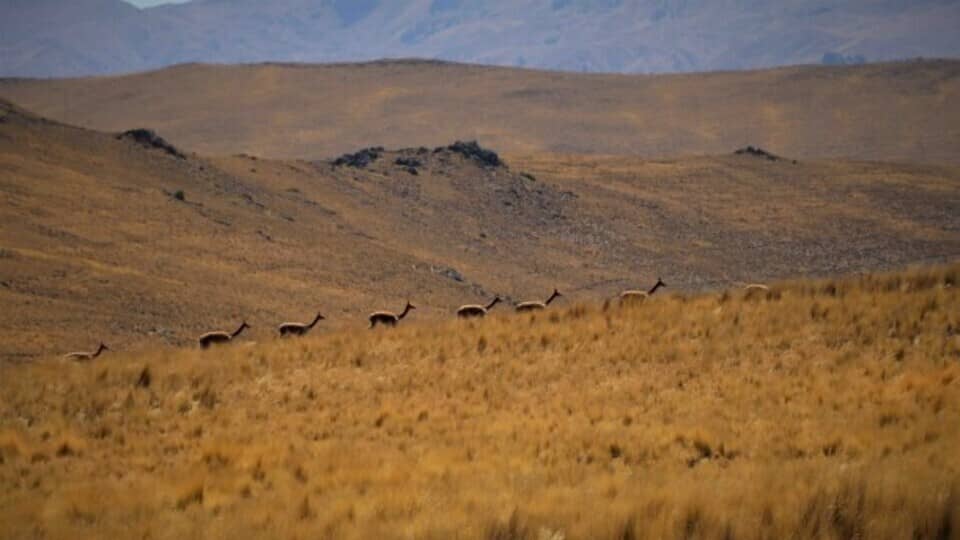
(88, 37)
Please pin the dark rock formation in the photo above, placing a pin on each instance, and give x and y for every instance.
(359, 159)
(472, 150)
(757, 152)
(149, 139)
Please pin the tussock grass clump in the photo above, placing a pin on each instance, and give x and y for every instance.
(819, 409)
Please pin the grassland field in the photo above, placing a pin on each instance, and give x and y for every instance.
(827, 407)
(819, 409)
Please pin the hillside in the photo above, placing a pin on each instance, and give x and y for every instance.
(887, 112)
(51, 38)
(825, 409)
(96, 243)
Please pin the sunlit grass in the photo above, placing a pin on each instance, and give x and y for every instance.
(826, 409)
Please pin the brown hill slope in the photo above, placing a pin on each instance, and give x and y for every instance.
(898, 111)
(97, 245)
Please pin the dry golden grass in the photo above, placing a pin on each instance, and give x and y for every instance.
(826, 409)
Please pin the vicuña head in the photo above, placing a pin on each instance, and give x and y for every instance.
(389, 318)
(298, 329)
(216, 338)
(536, 305)
(86, 355)
(476, 310)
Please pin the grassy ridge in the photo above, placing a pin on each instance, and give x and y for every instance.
(822, 409)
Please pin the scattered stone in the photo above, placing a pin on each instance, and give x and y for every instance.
(758, 152)
(408, 162)
(360, 159)
(448, 273)
(149, 139)
(472, 150)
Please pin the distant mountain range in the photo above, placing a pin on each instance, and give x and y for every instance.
(56, 38)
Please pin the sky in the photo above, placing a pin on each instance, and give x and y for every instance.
(148, 3)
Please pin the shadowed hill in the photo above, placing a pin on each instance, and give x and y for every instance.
(117, 238)
(888, 112)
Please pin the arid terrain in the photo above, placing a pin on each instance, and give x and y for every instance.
(826, 409)
(826, 405)
(901, 111)
(106, 239)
